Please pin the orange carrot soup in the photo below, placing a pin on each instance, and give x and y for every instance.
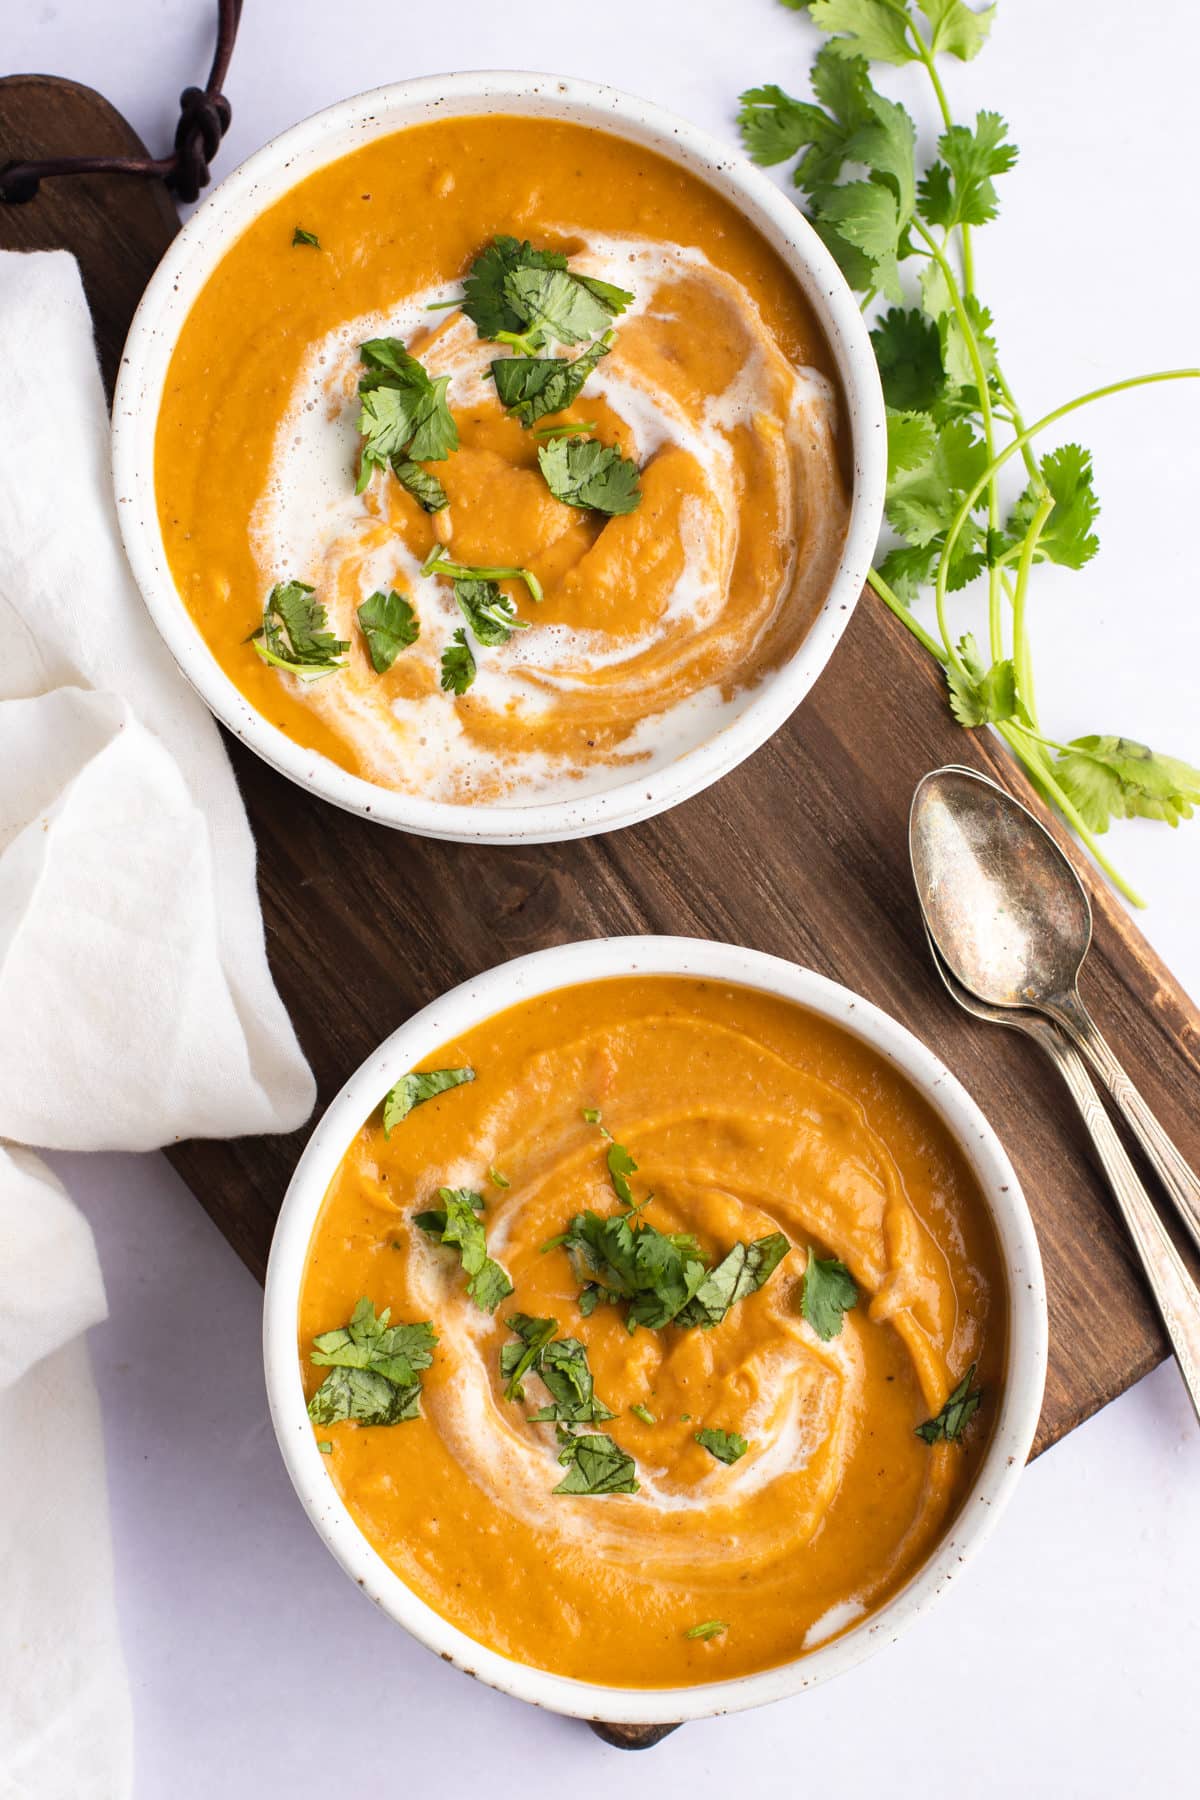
(497, 461)
(653, 1331)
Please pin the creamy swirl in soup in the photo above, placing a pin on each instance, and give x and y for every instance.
(764, 1468)
(656, 622)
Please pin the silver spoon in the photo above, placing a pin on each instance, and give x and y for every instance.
(1013, 924)
(1175, 1293)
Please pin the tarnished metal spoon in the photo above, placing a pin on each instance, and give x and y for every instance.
(1013, 923)
(1175, 1293)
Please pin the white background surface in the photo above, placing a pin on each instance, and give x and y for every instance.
(1066, 1663)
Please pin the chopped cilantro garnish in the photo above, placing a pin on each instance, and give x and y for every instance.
(324, 1446)
(388, 623)
(961, 1406)
(424, 486)
(580, 471)
(532, 387)
(438, 563)
(412, 1090)
(497, 1179)
(376, 1369)
(460, 1227)
(490, 613)
(595, 1465)
(643, 1413)
(293, 633)
(726, 1446)
(458, 664)
(561, 1364)
(662, 1279)
(300, 236)
(517, 295)
(405, 416)
(710, 1628)
(829, 1292)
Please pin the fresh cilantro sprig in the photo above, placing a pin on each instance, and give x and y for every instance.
(904, 235)
(457, 1224)
(405, 419)
(376, 1369)
(659, 1278)
(293, 634)
(490, 613)
(962, 1403)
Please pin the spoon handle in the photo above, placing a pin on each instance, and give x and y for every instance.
(1175, 1293)
(1175, 1173)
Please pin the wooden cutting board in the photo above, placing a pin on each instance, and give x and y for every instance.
(801, 852)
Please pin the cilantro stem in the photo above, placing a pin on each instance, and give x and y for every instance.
(967, 328)
(436, 563)
(1024, 437)
(1027, 746)
(908, 619)
(1022, 661)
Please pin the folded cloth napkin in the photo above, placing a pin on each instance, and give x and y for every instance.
(136, 1006)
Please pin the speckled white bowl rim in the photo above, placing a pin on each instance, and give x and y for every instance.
(262, 180)
(457, 1012)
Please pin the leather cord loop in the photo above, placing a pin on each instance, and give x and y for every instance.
(203, 121)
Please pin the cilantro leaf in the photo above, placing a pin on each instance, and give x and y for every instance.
(517, 1359)
(458, 664)
(958, 190)
(955, 28)
(876, 29)
(388, 623)
(923, 497)
(559, 307)
(564, 1369)
(405, 416)
(413, 1090)
(490, 614)
(1118, 778)
(582, 472)
(643, 1413)
(595, 1465)
(726, 1446)
(424, 486)
(377, 1369)
(1067, 537)
(300, 236)
(710, 1628)
(743, 1271)
(620, 1167)
(531, 388)
(462, 1229)
(292, 635)
(908, 350)
(960, 1408)
(983, 696)
(829, 1293)
(484, 300)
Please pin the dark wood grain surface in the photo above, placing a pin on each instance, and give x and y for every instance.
(801, 852)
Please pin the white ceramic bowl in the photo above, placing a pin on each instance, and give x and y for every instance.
(332, 134)
(458, 1012)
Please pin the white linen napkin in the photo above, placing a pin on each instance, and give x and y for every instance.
(136, 1005)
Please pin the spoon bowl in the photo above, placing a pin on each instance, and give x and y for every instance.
(1005, 908)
